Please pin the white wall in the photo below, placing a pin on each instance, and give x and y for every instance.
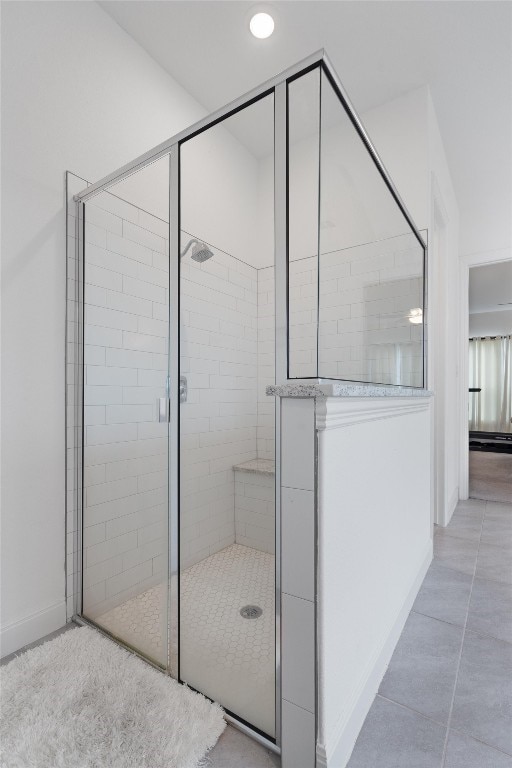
(220, 186)
(444, 313)
(406, 135)
(218, 422)
(374, 545)
(356, 207)
(399, 131)
(490, 323)
(76, 93)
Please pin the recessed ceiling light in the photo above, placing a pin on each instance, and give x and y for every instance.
(261, 25)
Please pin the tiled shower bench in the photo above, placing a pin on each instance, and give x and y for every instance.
(254, 504)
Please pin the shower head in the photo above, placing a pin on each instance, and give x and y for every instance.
(200, 251)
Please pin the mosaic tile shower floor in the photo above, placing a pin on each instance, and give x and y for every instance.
(226, 657)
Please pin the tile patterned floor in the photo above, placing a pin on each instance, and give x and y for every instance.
(66, 628)
(226, 657)
(446, 698)
(236, 750)
(141, 622)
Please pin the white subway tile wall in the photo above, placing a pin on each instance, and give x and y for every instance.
(219, 421)
(367, 295)
(227, 357)
(255, 510)
(125, 368)
(266, 363)
(302, 329)
(227, 345)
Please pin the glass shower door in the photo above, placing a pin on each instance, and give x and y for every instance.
(126, 428)
(227, 480)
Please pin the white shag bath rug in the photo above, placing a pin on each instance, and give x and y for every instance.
(81, 701)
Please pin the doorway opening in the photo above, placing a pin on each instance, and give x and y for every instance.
(490, 382)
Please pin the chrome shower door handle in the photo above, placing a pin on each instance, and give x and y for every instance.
(163, 408)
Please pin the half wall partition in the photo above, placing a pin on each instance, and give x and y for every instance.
(264, 244)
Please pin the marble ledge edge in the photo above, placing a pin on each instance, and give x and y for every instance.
(257, 466)
(344, 389)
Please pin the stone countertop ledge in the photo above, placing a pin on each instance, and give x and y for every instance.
(344, 389)
(261, 466)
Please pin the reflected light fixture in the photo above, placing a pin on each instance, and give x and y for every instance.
(261, 25)
(416, 316)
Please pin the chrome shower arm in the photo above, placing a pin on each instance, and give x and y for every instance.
(193, 240)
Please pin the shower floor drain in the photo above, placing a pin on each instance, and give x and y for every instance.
(251, 612)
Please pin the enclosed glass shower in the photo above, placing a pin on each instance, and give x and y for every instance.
(264, 244)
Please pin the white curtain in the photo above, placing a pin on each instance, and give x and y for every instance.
(490, 367)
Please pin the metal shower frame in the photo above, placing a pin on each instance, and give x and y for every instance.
(278, 86)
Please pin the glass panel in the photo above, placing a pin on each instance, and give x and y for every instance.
(227, 511)
(371, 264)
(126, 310)
(303, 192)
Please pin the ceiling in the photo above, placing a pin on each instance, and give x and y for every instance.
(490, 288)
(381, 49)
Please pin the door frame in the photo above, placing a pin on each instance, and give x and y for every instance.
(436, 368)
(466, 263)
(173, 393)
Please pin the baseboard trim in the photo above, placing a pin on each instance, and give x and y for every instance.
(337, 754)
(452, 504)
(15, 636)
(449, 509)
